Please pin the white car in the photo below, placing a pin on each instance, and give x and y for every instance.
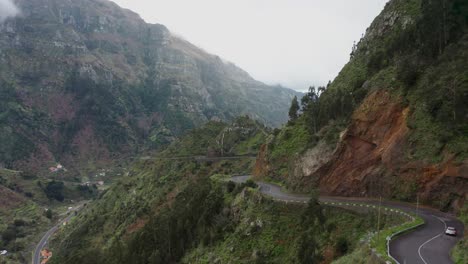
(451, 231)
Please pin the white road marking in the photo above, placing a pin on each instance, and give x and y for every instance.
(422, 245)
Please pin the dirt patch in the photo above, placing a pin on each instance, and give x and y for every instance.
(261, 168)
(372, 141)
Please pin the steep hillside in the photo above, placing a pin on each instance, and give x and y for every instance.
(85, 80)
(394, 121)
(22, 220)
(186, 211)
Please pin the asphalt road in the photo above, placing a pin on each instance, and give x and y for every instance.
(428, 244)
(45, 239)
(200, 158)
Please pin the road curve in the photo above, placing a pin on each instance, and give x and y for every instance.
(426, 245)
(45, 238)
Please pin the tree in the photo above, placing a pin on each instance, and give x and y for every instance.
(293, 109)
(310, 106)
(54, 190)
(312, 220)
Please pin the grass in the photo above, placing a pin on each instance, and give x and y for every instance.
(460, 251)
(362, 255)
(251, 145)
(292, 140)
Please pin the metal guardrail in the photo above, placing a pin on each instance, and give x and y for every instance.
(389, 239)
(361, 204)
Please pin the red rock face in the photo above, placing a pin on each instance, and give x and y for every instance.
(371, 161)
(374, 139)
(261, 163)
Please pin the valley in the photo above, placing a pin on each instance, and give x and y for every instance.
(122, 142)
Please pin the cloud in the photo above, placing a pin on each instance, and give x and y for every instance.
(8, 9)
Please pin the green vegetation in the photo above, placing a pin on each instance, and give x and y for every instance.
(15, 146)
(293, 110)
(23, 218)
(460, 251)
(154, 192)
(243, 137)
(362, 255)
(210, 221)
(276, 232)
(187, 211)
(54, 190)
(431, 69)
(291, 141)
(20, 226)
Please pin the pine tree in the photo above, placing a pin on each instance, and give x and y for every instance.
(293, 110)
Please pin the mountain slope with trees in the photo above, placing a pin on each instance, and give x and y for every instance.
(187, 211)
(394, 121)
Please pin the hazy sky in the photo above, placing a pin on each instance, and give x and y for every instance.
(296, 43)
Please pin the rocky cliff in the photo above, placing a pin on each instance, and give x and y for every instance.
(84, 80)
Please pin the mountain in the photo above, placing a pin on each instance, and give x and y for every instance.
(85, 82)
(394, 122)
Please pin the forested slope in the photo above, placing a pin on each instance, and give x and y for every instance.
(394, 122)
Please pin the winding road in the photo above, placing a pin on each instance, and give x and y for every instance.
(45, 239)
(428, 244)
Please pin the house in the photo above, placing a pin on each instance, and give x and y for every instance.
(46, 255)
(57, 168)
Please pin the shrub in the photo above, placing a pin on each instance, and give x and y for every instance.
(8, 235)
(19, 222)
(342, 245)
(230, 186)
(250, 183)
(48, 213)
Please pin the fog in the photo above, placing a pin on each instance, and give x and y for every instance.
(296, 43)
(7, 9)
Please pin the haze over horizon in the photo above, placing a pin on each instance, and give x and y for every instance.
(293, 43)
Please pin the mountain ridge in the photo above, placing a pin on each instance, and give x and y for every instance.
(86, 80)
